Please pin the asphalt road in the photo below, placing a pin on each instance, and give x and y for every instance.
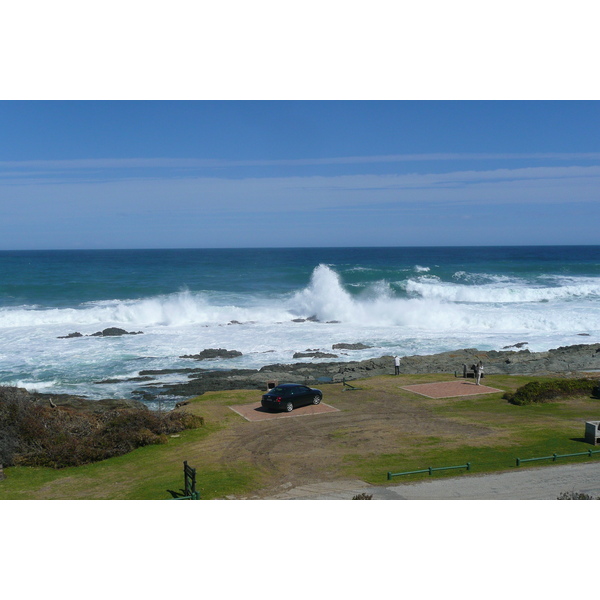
(524, 483)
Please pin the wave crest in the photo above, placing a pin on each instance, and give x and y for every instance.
(437, 306)
(499, 292)
(183, 308)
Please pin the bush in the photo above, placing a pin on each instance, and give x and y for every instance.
(576, 496)
(34, 434)
(538, 392)
(14, 405)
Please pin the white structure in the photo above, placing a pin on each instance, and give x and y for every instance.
(592, 432)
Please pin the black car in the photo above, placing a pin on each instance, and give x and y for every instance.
(288, 396)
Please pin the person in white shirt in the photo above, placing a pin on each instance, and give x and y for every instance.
(479, 371)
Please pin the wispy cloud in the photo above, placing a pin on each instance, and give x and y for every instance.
(17, 167)
(310, 193)
(160, 210)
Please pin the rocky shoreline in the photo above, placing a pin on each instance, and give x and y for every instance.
(563, 360)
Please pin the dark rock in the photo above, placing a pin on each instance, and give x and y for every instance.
(314, 355)
(210, 353)
(166, 371)
(511, 362)
(519, 345)
(124, 380)
(75, 334)
(298, 320)
(358, 346)
(210, 381)
(114, 332)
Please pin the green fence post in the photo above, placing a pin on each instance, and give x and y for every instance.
(518, 462)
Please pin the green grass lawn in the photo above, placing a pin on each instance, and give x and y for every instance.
(146, 473)
(530, 432)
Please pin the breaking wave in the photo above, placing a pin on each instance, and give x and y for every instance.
(433, 305)
(424, 303)
(169, 310)
(502, 290)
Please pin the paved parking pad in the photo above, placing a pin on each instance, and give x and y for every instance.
(450, 389)
(255, 412)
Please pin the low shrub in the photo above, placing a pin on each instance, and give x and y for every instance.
(538, 392)
(36, 434)
(576, 496)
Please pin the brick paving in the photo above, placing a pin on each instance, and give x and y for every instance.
(450, 389)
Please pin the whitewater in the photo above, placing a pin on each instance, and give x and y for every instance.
(270, 304)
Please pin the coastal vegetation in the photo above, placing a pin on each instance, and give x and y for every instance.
(376, 428)
(538, 392)
(36, 432)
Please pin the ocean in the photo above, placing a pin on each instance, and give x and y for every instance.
(271, 303)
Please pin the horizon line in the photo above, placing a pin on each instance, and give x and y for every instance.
(299, 247)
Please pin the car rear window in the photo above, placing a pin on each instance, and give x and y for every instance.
(278, 390)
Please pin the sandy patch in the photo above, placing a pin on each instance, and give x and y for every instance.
(450, 389)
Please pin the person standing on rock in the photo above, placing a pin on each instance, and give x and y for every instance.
(396, 365)
(478, 371)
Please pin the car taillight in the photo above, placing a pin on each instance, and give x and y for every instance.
(278, 399)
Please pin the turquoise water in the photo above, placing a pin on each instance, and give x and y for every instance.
(397, 300)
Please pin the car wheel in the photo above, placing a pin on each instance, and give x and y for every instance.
(289, 407)
(317, 399)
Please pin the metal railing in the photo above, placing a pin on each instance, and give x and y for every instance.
(555, 456)
(429, 470)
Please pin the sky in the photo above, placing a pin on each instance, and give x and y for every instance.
(242, 173)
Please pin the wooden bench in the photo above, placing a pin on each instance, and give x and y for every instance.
(470, 373)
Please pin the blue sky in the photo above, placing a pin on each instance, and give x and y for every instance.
(171, 174)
